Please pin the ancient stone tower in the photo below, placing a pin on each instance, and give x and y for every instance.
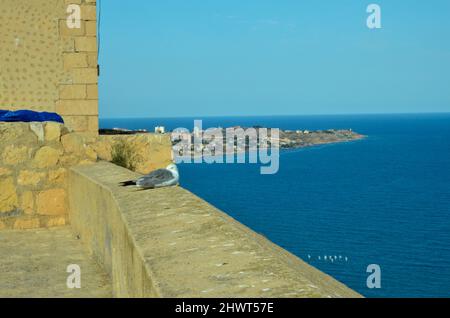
(47, 66)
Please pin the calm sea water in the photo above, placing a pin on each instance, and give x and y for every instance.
(384, 200)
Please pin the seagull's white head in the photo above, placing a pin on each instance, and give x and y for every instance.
(172, 167)
(174, 170)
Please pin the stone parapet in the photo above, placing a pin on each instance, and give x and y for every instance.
(170, 243)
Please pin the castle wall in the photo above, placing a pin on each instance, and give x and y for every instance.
(34, 163)
(45, 65)
(170, 243)
(35, 159)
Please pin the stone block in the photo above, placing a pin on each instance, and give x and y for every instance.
(77, 107)
(8, 195)
(46, 157)
(92, 91)
(75, 60)
(103, 150)
(30, 178)
(26, 224)
(91, 28)
(77, 123)
(57, 176)
(88, 12)
(93, 124)
(52, 131)
(4, 172)
(55, 221)
(69, 160)
(27, 202)
(14, 155)
(51, 202)
(73, 143)
(76, 91)
(86, 44)
(92, 60)
(90, 153)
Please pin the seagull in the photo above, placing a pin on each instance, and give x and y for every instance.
(157, 179)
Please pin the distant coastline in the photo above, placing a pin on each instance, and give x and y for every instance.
(288, 139)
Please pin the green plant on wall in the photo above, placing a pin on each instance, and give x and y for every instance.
(123, 155)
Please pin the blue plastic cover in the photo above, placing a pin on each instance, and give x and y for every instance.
(28, 116)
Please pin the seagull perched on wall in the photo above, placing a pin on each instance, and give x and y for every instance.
(157, 179)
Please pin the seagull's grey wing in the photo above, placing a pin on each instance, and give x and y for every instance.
(160, 175)
(155, 179)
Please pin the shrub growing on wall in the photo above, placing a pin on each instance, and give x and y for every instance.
(123, 155)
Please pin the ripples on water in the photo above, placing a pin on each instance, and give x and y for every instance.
(383, 200)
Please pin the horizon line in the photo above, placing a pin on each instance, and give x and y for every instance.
(278, 115)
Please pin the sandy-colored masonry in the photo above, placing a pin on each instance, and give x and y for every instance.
(44, 65)
(170, 243)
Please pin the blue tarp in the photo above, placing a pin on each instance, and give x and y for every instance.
(28, 116)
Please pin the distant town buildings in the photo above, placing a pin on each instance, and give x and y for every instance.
(160, 130)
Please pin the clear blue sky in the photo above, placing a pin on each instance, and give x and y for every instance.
(168, 58)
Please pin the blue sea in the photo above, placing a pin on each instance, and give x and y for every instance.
(383, 200)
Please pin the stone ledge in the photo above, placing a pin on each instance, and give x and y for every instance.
(170, 243)
(34, 263)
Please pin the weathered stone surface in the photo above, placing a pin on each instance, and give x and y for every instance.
(56, 221)
(90, 153)
(168, 228)
(91, 28)
(33, 264)
(77, 123)
(92, 59)
(73, 143)
(52, 131)
(92, 91)
(86, 44)
(57, 176)
(4, 172)
(12, 131)
(27, 202)
(51, 202)
(38, 129)
(8, 195)
(103, 150)
(78, 107)
(30, 178)
(26, 223)
(46, 157)
(85, 162)
(69, 160)
(13, 155)
(149, 151)
(75, 60)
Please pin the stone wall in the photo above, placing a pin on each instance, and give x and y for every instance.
(34, 158)
(169, 243)
(148, 151)
(34, 161)
(44, 65)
